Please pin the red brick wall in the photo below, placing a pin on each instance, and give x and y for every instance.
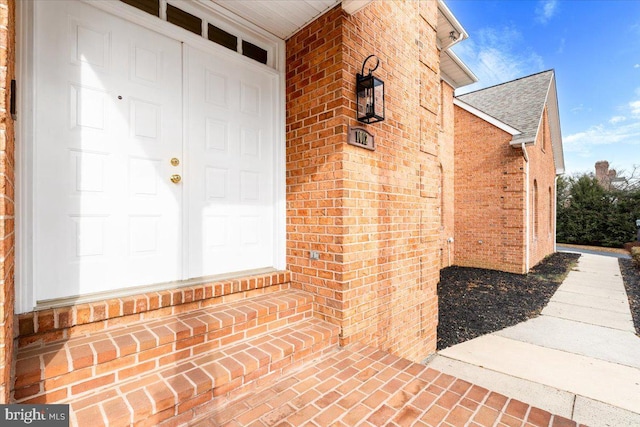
(7, 236)
(542, 170)
(373, 216)
(316, 129)
(489, 196)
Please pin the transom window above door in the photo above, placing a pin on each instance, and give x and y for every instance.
(217, 31)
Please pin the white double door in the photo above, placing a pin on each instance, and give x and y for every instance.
(120, 110)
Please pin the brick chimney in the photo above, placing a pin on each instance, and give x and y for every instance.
(605, 176)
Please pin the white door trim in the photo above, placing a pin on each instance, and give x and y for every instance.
(27, 93)
(24, 126)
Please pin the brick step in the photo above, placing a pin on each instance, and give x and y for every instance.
(51, 372)
(66, 322)
(178, 393)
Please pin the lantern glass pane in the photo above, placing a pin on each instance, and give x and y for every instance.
(378, 99)
(370, 99)
(365, 96)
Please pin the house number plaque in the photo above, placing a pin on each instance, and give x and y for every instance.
(361, 138)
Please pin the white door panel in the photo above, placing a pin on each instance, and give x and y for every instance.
(108, 120)
(230, 165)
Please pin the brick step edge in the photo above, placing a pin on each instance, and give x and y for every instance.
(64, 369)
(54, 323)
(179, 390)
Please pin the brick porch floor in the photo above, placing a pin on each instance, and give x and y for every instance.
(361, 386)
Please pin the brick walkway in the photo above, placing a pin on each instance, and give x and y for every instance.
(361, 386)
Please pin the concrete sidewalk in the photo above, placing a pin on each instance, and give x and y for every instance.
(579, 359)
(587, 250)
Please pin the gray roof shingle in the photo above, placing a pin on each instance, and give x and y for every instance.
(518, 103)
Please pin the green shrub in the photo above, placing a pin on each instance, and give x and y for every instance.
(589, 214)
(635, 254)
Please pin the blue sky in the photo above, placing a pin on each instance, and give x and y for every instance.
(594, 47)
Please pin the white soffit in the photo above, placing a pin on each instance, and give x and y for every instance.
(454, 71)
(352, 6)
(282, 18)
(448, 23)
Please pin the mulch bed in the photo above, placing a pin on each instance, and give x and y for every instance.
(475, 302)
(631, 278)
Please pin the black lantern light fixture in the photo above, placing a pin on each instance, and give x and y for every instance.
(370, 94)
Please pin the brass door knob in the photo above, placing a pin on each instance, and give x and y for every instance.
(176, 178)
(175, 162)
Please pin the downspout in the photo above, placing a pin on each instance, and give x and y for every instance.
(524, 152)
(527, 219)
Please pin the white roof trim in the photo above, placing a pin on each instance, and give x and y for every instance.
(352, 6)
(461, 64)
(472, 78)
(487, 118)
(554, 126)
(448, 15)
(516, 142)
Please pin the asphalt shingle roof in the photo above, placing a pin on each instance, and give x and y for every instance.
(518, 103)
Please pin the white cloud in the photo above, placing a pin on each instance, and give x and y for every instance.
(578, 109)
(496, 56)
(617, 140)
(636, 66)
(617, 119)
(583, 143)
(545, 10)
(621, 130)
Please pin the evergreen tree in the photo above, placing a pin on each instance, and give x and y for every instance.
(589, 214)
